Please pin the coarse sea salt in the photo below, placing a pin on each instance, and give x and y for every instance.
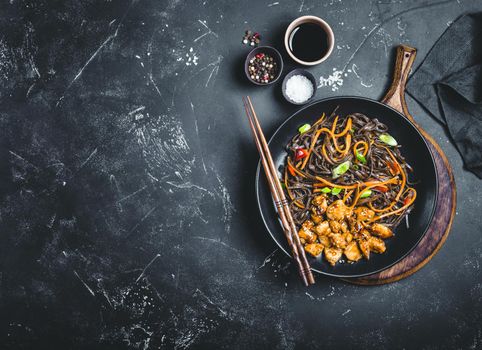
(299, 89)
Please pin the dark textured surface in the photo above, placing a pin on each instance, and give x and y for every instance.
(127, 213)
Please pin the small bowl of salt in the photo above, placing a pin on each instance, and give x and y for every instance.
(299, 86)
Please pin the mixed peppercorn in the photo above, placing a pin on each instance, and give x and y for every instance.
(250, 38)
(262, 68)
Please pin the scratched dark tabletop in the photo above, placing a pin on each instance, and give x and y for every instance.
(128, 217)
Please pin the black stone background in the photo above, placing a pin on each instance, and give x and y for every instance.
(127, 212)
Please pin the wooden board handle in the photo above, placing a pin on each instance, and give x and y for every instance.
(395, 96)
(446, 203)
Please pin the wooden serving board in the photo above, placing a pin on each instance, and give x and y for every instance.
(446, 196)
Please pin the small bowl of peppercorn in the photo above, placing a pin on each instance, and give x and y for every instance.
(264, 65)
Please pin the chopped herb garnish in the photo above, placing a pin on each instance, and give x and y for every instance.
(388, 139)
(304, 128)
(361, 158)
(335, 191)
(341, 169)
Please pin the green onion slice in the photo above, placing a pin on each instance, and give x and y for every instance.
(326, 190)
(304, 128)
(335, 191)
(361, 158)
(366, 193)
(341, 169)
(388, 139)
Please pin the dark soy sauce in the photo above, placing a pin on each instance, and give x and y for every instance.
(308, 42)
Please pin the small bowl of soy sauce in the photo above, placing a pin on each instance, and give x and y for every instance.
(309, 40)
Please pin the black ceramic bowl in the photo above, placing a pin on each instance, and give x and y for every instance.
(414, 149)
(299, 71)
(267, 50)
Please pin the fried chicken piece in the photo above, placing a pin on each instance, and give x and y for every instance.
(336, 210)
(348, 237)
(307, 235)
(335, 226)
(322, 229)
(362, 239)
(365, 248)
(315, 249)
(318, 208)
(381, 231)
(306, 232)
(364, 214)
(376, 245)
(364, 234)
(352, 252)
(325, 240)
(333, 255)
(338, 240)
(321, 203)
(344, 227)
(315, 216)
(308, 224)
(355, 225)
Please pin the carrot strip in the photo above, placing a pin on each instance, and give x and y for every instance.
(357, 195)
(402, 186)
(295, 170)
(347, 146)
(341, 134)
(325, 183)
(302, 174)
(392, 168)
(381, 188)
(298, 204)
(319, 121)
(344, 152)
(335, 136)
(334, 125)
(349, 187)
(369, 185)
(365, 148)
(404, 178)
(412, 199)
(291, 169)
(313, 142)
(285, 181)
(347, 128)
(290, 194)
(335, 143)
(347, 195)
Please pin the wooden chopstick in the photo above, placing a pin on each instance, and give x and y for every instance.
(279, 197)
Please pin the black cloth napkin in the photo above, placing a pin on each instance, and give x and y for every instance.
(449, 85)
